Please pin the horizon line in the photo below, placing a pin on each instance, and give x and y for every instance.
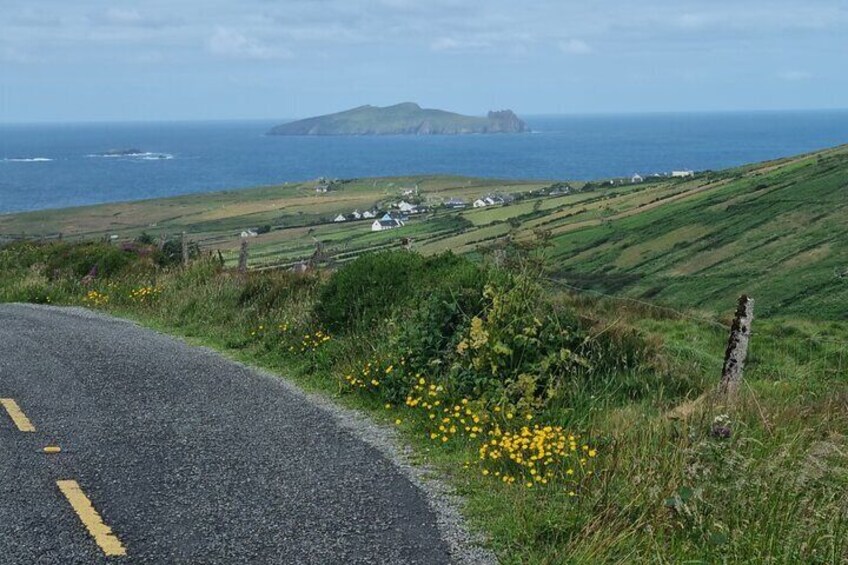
(615, 113)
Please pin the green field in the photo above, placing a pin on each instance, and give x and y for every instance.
(776, 230)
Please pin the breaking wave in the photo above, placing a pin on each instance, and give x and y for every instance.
(27, 159)
(141, 155)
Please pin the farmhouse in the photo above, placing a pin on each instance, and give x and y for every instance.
(636, 178)
(682, 174)
(340, 218)
(455, 203)
(404, 206)
(559, 190)
(356, 215)
(385, 224)
(249, 233)
(368, 214)
(394, 216)
(491, 200)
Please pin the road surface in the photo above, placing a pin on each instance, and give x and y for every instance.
(172, 454)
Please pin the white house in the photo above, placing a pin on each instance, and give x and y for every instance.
(368, 214)
(636, 178)
(682, 174)
(480, 203)
(356, 215)
(340, 218)
(384, 224)
(404, 206)
(455, 203)
(390, 216)
(249, 233)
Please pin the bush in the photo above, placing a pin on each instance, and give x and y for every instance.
(172, 252)
(78, 260)
(373, 287)
(367, 290)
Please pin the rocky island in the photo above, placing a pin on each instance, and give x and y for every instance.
(407, 118)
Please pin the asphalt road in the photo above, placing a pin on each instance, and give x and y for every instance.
(187, 457)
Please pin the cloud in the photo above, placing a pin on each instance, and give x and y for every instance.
(794, 75)
(123, 16)
(575, 47)
(452, 44)
(233, 44)
(131, 18)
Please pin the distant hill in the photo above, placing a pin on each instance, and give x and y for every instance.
(407, 118)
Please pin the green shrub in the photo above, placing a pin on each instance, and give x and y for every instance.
(78, 260)
(172, 252)
(367, 290)
(374, 286)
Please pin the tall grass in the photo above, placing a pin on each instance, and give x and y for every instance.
(635, 386)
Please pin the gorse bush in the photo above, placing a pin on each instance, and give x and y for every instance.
(367, 290)
(376, 285)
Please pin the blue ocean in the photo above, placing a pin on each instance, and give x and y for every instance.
(51, 166)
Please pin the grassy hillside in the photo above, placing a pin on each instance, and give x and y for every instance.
(776, 230)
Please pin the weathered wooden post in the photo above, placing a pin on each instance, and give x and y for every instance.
(220, 258)
(737, 345)
(242, 264)
(184, 249)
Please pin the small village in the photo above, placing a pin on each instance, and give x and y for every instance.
(396, 214)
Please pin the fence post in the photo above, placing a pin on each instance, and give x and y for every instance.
(242, 263)
(737, 345)
(184, 249)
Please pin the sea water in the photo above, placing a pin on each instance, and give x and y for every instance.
(50, 166)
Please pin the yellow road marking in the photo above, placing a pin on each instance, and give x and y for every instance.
(51, 449)
(101, 533)
(17, 415)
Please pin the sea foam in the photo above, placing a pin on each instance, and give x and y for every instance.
(27, 159)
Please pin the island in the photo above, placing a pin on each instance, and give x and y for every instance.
(407, 118)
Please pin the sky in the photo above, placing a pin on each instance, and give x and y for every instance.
(93, 60)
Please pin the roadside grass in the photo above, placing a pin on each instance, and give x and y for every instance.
(662, 485)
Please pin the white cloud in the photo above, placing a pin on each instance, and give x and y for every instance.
(794, 75)
(230, 43)
(452, 44)
(123, 16)
(575, 47)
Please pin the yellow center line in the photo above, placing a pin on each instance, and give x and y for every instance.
(17, 415)
(101, 533)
